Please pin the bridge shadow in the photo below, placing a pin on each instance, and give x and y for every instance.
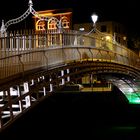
(78, 115)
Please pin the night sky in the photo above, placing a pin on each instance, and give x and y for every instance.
(125, 12)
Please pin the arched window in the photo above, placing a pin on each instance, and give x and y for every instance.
(52, 23)
(65, 22)
(40, 25)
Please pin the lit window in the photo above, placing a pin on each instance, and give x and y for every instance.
(52, 23)
(40, 25)
(65, 22)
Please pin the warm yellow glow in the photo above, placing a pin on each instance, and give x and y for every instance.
(108, 38)
(46, 14)
(124, 38)
(52, 19)
(40, 25)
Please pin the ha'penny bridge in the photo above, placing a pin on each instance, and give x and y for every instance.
(35, 65)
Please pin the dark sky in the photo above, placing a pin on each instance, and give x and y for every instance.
(125, 12)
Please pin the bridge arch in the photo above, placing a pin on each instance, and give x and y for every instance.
(37, 84)
(38, 72)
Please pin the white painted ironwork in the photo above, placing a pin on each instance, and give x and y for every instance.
(29, 11)
(16, 20)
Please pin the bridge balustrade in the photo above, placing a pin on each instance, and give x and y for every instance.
(23, 62)
(22, 52)
(16, 42)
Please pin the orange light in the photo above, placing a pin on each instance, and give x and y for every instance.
(46, 14)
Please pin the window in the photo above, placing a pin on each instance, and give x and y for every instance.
(52, 23)
(40, 25)
(65, 22)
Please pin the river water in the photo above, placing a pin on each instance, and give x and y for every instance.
(77, 115)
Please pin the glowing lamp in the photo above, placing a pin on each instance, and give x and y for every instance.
(94, 18)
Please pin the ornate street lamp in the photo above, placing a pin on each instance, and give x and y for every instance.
(94, 18)
(108, 37)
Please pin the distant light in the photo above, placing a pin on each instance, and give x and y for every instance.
(124, 38)
(130, 90)
(81, 29)
(108, 38)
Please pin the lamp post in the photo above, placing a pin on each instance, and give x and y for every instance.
(94, 18)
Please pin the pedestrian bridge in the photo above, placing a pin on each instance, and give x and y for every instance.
(35, 65)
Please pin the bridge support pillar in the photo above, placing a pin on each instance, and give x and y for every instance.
(27, 98)
(68, 78)
(62, 74)
(51, 86)
(20, 101)
(0, 119)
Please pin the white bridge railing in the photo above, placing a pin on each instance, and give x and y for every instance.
(22, 52)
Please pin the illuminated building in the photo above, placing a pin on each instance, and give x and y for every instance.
(53, 19)
(109, 30)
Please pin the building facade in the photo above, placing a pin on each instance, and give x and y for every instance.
(108, 30)
(53, 19)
